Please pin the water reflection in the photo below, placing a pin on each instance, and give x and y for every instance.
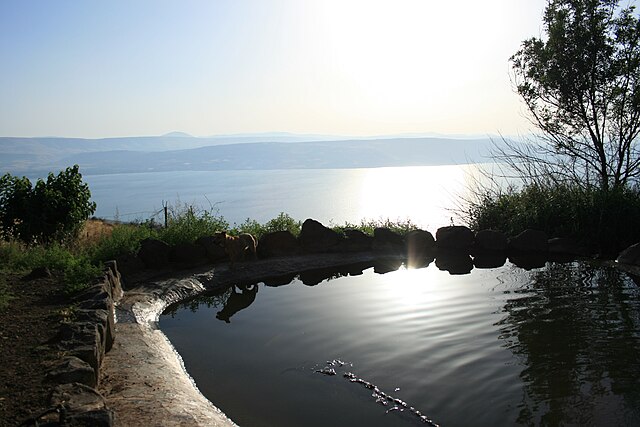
(576, 331)
(237, 301)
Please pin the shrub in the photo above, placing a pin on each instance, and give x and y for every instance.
(124, 239)
(51, 211)
(185, 225)
(603, 220)
(401, 227)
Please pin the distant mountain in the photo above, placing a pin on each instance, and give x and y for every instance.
(177, 135)
(38, 156)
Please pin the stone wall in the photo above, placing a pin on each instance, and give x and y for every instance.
(82, 344)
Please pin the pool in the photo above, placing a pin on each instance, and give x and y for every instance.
(499, 346)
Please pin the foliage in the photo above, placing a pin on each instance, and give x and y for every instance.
(581, 86)
(283, 222)
(367, 226)
(51, 211)
(603, 220)
(186, 224)
(77, 269)
(124, 239)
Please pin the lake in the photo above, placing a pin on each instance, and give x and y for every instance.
(424, 194)
(558, 345)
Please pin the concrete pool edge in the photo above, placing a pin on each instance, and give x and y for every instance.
(143, 378)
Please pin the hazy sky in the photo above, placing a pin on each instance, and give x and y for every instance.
(348, 67)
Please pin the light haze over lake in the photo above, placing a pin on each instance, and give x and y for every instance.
(424, 194)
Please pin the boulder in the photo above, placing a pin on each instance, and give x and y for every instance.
(213, 250)
(529, 241)
(128, 265)
(356, 241)
(489, 259)
(491, 241)
(72, 370)
(188, 253)
(83, 405)
(631, 255)
(528, 260)
(562, 248)
(154, 253)
(278, 243)
(386, 265)
(37, 273)
(419, 243)
(455, 237)
(315, 237)
(454, 262)
(385, 240)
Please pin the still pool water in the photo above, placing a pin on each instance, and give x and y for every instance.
(559, 345)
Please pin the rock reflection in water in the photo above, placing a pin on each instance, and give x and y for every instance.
(576, 331)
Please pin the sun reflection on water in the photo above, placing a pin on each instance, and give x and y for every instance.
(428, 193)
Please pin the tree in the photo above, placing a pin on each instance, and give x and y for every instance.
(581, 86)
(52, 210)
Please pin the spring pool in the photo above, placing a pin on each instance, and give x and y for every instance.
(500, 346)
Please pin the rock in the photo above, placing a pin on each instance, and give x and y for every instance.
(419, 242)
(275, 281)
(631, 255)
(386, 265)
(72, 370)
(114, 280)
(491, 241)
(129, 265)
(385, 240)
(188, 253)
(356, 241)
(278, 243)
(455, 237)
(315, 237)
(529, 241)
(105, 321)
(37, 273)
(529, 260)
(213, 250)
(489, 259)
(563, 245)
(83, 405)
(154, 253)
(454, 262)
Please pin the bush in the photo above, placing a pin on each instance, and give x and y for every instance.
(51, 211)
(604, 221)
(185, 225)
(77, 269)
(367, 226)
(124, 239)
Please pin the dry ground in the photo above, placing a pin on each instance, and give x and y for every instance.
(30, 320)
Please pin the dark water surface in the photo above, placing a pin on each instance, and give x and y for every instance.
(503, 346)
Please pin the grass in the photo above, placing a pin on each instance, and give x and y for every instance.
(81, 260)
(367, 226)
(604, 221)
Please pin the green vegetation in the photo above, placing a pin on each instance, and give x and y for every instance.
(367, 226)
(579, 177)
(603, 221)
(51, 211)
(80, 260)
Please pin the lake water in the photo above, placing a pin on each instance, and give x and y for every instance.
(426, 194)
(558, 345)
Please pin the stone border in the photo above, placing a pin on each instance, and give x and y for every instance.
(144, 380)
(83, 344)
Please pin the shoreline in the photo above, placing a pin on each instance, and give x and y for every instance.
(143, 378)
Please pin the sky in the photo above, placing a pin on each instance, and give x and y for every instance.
(96, 69)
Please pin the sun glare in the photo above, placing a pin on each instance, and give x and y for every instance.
(412, 192)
